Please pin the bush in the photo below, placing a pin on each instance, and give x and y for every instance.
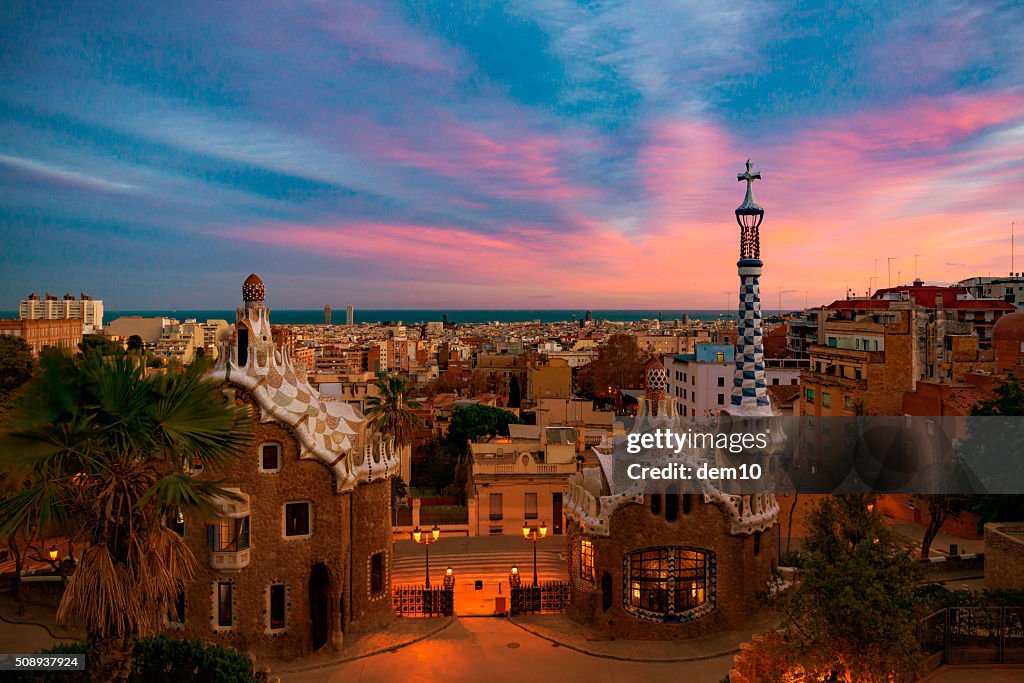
(158, 660)
(173, 660)
(933, 598)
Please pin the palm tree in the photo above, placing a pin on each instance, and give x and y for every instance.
(390, 413)
(96, 445)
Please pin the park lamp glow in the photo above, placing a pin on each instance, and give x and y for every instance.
(53, 553)
(532, 533)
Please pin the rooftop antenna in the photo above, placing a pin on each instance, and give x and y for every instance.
(888, 265)
(1011, 247)
(915, 265)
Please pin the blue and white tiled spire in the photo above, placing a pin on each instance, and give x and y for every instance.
(749, 391)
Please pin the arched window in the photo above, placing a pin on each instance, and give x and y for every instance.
(757, 543)
(670, 583)
(687, 503)
(656, 503)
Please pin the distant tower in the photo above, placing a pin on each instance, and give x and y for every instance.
(327, 315)
(350, 315)
(749, 391)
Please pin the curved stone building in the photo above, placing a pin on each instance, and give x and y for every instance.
(676, 564)
(305, 555)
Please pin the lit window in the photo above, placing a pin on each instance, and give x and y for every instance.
(229, 535)
(296, 519)
(586, 560)
(668, 580)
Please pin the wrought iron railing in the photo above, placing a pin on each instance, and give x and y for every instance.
(546, 597)
(420, 601)
(974, 635)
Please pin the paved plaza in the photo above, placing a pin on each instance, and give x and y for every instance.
(496, 651)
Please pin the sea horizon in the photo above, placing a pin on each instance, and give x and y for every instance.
(420, 316)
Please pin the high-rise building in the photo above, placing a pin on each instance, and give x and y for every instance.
(327, 315)
(350, 315)
(85, 308)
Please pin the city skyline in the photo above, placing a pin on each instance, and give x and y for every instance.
(545, 156)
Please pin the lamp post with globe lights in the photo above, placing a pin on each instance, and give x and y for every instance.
(425, 539)
(535, 533)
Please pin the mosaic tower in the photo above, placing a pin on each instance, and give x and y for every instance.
(749, 391)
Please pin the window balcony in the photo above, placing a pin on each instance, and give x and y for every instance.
(230, 560)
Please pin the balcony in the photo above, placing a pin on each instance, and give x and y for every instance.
(230, 560)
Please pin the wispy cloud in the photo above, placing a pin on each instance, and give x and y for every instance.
(486, 154)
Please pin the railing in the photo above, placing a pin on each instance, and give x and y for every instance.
(973, 635)
(420, 601)
(548, 596)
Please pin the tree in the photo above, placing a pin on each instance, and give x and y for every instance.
(991, 453)
(135, 343)
(390, 413)
(940, 507)
(619, 365)
(15, 363)
(852, 611)
(100, 444)
(1008, 400)
(96, 343)
(476, 421)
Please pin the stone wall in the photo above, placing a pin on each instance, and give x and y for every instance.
(339, 523)
(740, 575)
(1004, 556)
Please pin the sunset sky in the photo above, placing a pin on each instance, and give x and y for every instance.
(544, 154)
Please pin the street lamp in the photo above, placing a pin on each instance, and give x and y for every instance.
(449, 579)
(425, 539)
(53, 553)
(534, 533)
(514, 580)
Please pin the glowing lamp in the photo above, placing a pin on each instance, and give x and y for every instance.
(53, 553)
(416, 534)
(436, 532)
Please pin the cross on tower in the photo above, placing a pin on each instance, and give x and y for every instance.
(750, 178)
